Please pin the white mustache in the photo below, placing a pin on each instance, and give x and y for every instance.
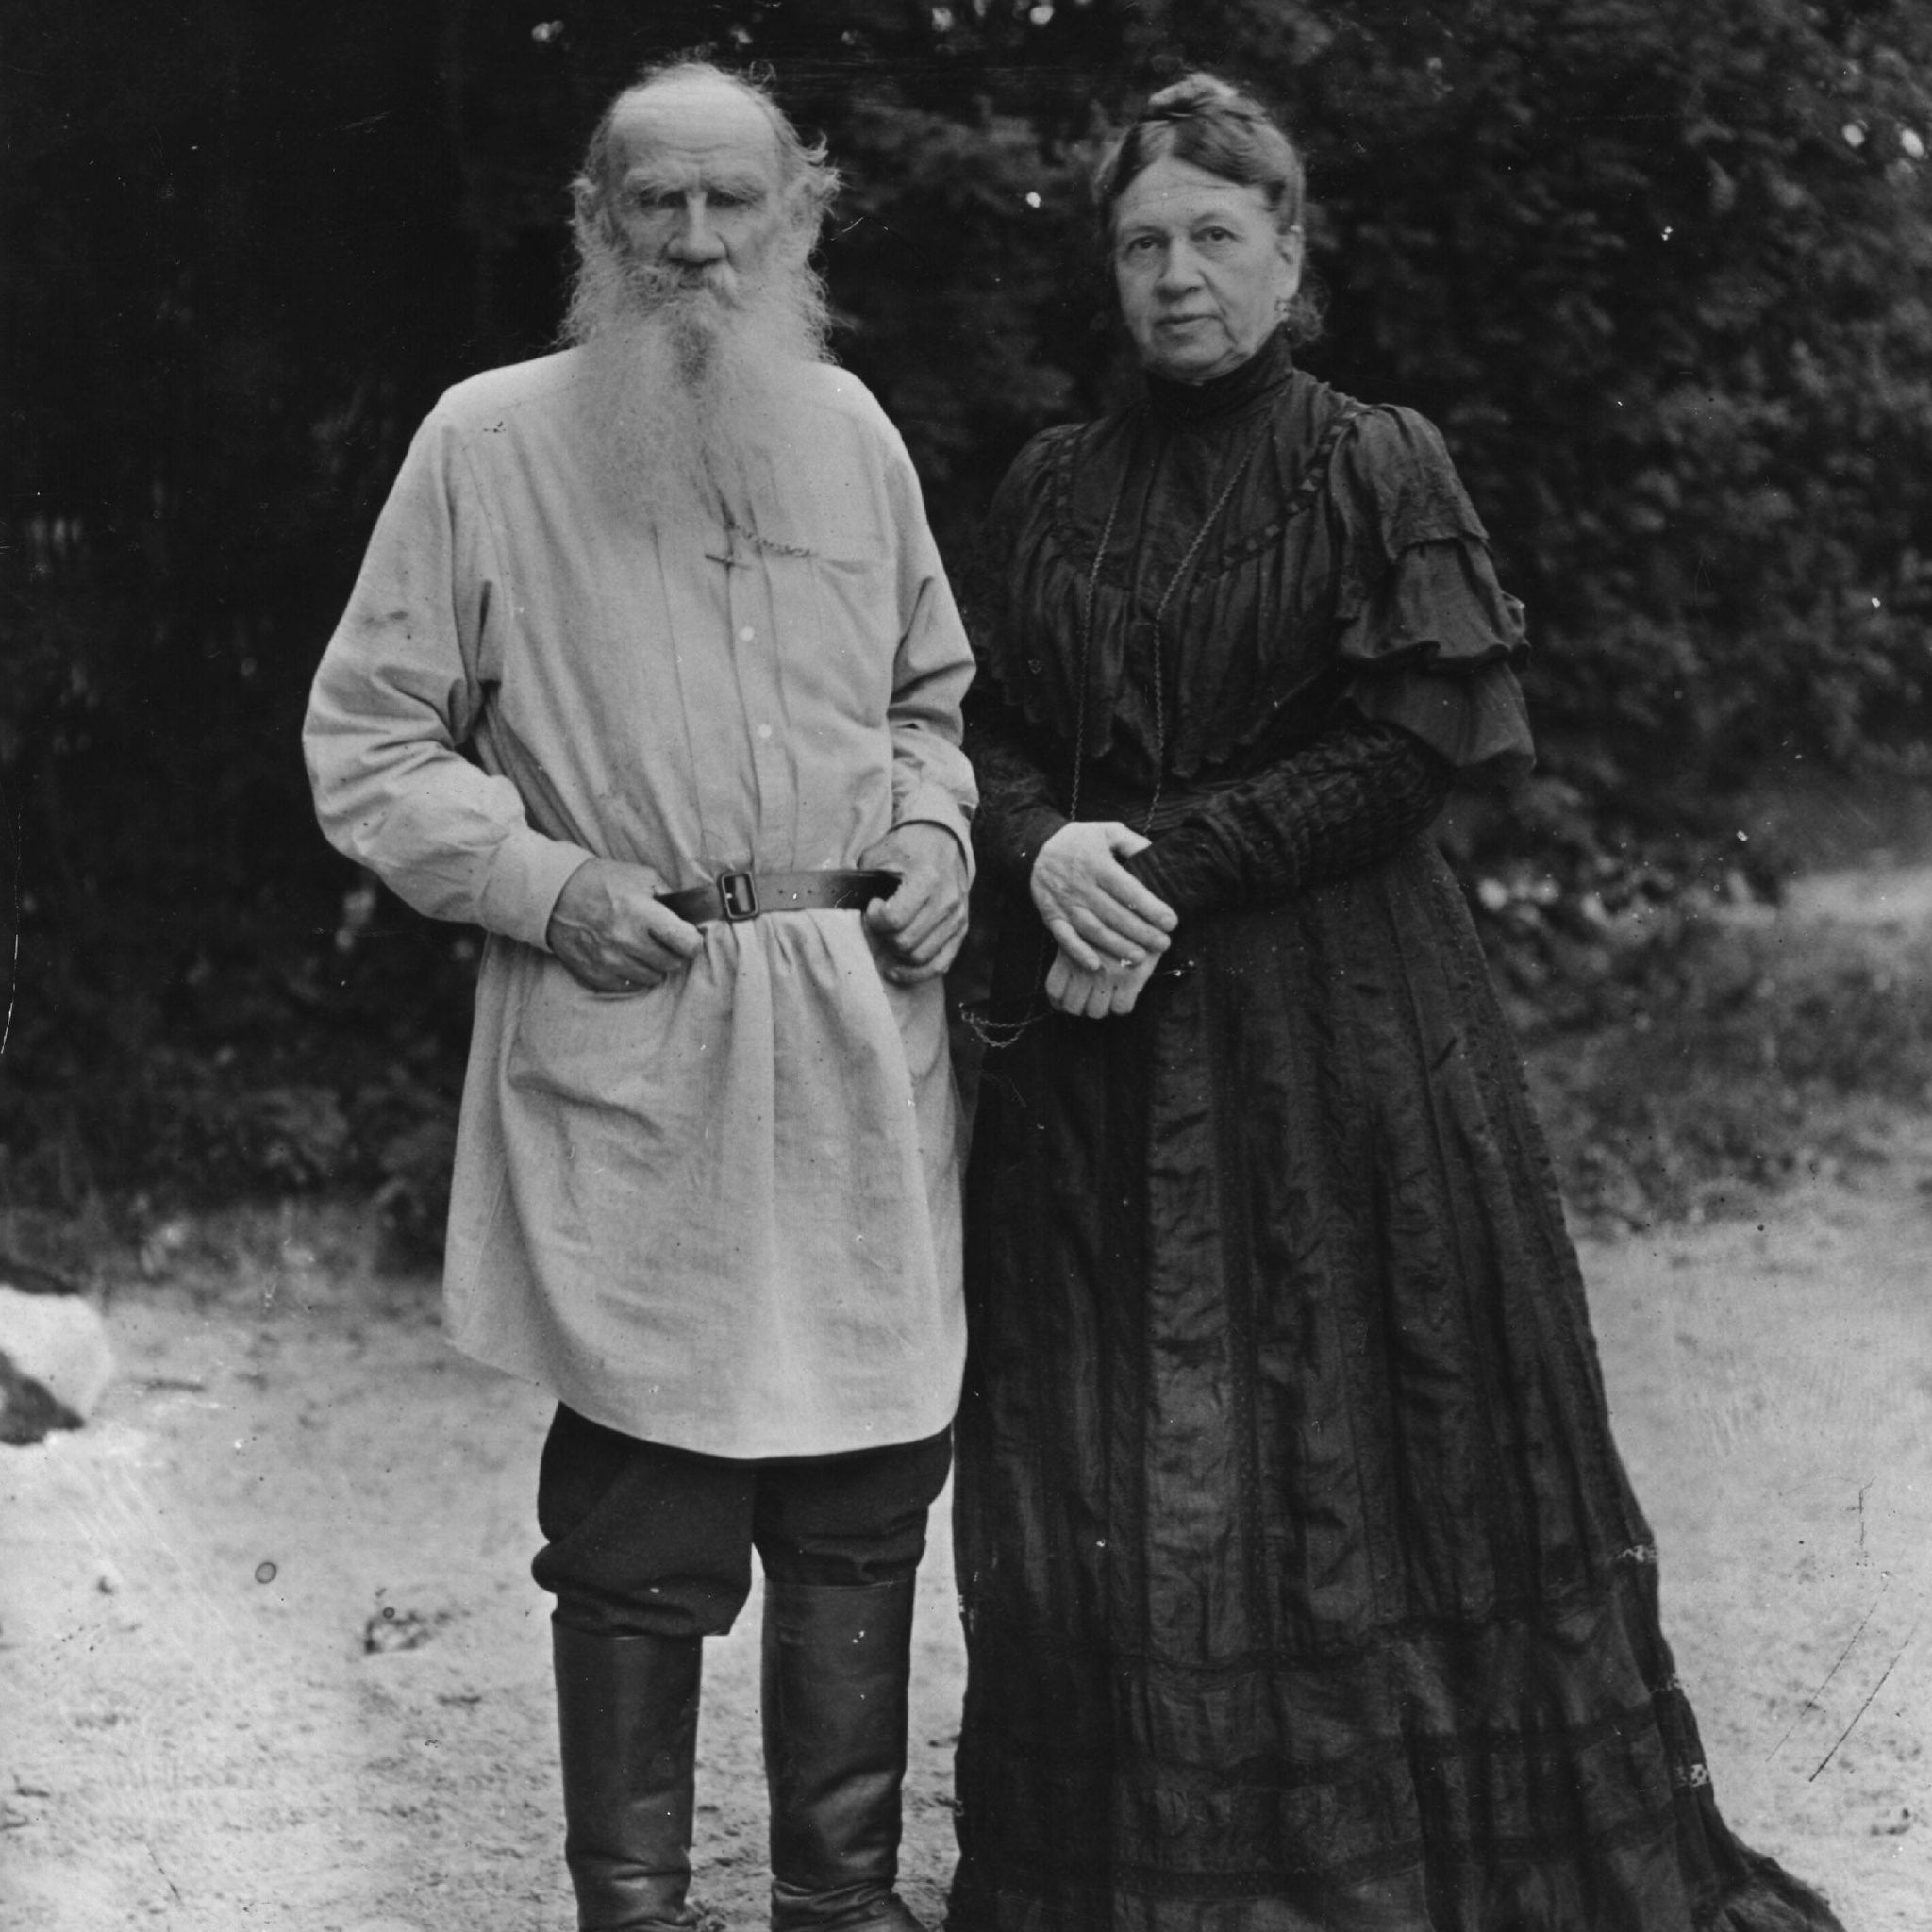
(655, 287)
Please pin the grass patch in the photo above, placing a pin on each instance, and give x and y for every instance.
(1756, 1048)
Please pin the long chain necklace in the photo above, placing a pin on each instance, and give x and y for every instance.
(1159, 667)
(998, 1033)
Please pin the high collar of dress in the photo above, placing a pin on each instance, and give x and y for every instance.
(1197, 405)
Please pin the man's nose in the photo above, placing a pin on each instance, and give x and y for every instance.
(695, 239)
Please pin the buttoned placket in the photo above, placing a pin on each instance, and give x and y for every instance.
(754, 646)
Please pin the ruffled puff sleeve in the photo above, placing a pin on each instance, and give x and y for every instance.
(1433, 640)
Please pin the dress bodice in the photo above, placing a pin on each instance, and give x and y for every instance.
(1224, 562)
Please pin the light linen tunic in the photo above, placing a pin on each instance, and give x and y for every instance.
(722, 1214)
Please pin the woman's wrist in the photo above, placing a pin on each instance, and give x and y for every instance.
(1151, 868)
(1031, 829)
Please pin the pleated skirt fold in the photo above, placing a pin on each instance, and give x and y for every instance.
(1303, 1583)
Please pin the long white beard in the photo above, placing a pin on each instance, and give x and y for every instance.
(689, 372)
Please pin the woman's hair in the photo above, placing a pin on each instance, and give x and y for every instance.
(1219, 128)
(1205, 121)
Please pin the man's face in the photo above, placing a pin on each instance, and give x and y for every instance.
(695, 191)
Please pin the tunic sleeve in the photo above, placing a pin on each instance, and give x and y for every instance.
(932, 780)
(1433, 640)
(1013, 758)
(1341, 802)
(399, 689)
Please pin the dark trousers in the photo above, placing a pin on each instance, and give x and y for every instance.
(643, 1540)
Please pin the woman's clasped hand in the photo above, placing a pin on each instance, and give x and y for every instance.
(1110, 929)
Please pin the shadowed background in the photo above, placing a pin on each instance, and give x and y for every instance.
(1661, 275)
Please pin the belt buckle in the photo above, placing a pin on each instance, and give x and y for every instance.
(738, 897)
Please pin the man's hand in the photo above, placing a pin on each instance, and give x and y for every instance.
(1097, 911)
(612, 933)
(918, 929)
(1072, 989)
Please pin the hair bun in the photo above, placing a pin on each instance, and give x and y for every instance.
(1197, 94)
(1212, 125)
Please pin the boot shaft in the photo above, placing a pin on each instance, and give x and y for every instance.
(836, 1663)
(628, 1722)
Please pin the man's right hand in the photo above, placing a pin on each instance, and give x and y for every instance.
(1098, 912)
(612, 932)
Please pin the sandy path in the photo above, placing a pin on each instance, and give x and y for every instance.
(1774, 1398)
(192, 1739)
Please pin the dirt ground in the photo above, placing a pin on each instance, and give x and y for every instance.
(270, 1656)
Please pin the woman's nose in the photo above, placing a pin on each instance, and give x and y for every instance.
(1178, 268)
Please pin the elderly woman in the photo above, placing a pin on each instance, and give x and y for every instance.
(1303, 1587)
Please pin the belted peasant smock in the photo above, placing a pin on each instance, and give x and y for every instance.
(1303, 1583)
(721, 1214)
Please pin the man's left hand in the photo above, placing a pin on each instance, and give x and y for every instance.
(918, 929)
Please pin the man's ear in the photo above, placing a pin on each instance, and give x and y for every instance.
(798, 225)
(592, 207)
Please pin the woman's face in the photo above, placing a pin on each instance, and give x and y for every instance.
(1203, 273)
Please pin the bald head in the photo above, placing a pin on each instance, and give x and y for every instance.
(690, 112)
(697, 107)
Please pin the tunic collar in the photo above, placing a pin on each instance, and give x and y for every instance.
(1197, 405)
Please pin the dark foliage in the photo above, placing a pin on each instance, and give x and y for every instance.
(1661, 273)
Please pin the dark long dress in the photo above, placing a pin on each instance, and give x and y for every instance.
(1303, 1584)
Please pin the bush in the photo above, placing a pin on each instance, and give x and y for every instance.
(1662, 274)
(1755, 1050)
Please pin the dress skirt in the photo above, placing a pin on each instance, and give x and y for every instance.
(1303, 1586)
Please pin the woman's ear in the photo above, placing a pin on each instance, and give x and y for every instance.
(1293, 248)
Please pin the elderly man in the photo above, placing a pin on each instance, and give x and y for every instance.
(673, 593)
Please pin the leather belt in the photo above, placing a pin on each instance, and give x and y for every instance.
(737, 895)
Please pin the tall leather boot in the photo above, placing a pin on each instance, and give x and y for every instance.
(836, 1660)
(628, 1724)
